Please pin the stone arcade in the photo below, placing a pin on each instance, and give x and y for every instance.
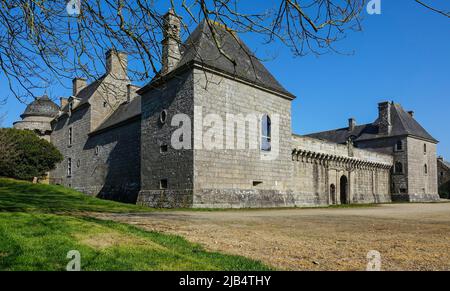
(116, 137)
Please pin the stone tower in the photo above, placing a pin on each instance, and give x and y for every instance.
(37, 117)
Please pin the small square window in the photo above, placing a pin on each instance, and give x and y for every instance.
(257, 183)
(163, 184)
(164, 148)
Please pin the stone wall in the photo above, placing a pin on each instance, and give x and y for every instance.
(422, 185)
(106, 164)
(228, 176)
(413, 184)
(443, 172)
(324, 170)
(175, 166)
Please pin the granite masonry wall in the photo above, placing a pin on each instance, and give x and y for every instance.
(160, 162)
(227, 176)
(326, 173)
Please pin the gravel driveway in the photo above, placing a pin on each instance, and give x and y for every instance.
(408, 236)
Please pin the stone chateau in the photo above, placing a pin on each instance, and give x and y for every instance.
(116, 137)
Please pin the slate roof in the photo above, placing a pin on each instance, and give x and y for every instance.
(236, 59)
(124, 112)
(446, 163)
(402, 124)
(42, 106)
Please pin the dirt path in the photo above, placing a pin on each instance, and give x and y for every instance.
(408, 236)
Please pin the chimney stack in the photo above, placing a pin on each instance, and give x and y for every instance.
(384, 117)
(411, 113)
(351, 124)
(63, 102)
(116, 64)
(131, 92)
(78, 84)
(171, 53)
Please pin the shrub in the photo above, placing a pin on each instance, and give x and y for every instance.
(23, 155)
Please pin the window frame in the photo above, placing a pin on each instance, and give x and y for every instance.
(69, 167)
(266, 133)
(70, 136)
(396, 169)
(397, 148)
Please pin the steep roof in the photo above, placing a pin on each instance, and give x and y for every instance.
(446, 163)
(402, 124)
(233, 58)
(41, 106)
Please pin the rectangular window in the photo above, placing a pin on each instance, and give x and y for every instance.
(163, 184)
(256, 183)
(399, 146)
(69, 167)
(70, 136)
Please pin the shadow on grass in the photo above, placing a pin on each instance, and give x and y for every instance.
(20, 196)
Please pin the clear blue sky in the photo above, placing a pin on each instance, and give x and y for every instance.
(401, 55)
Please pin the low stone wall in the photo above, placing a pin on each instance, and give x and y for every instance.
(417, 198)
(165, 198)
(253, 198)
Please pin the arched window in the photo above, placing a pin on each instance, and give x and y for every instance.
(266, 133)
(425, 148)
(399, 145)
(398, 168)
(425, 168)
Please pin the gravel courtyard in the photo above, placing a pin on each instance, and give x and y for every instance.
(408, 236)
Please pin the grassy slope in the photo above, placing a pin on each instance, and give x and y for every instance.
(37, 230)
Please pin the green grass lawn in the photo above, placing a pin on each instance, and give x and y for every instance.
(40, 224)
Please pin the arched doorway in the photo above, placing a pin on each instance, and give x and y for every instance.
(344, 190)
(333, 194)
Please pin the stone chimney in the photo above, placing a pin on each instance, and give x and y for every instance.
(384, 117)
(78, 84)
(411, 113)
(171, 53)
(116, 64)
(63, 101)
(131, 92)
(351, 124)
